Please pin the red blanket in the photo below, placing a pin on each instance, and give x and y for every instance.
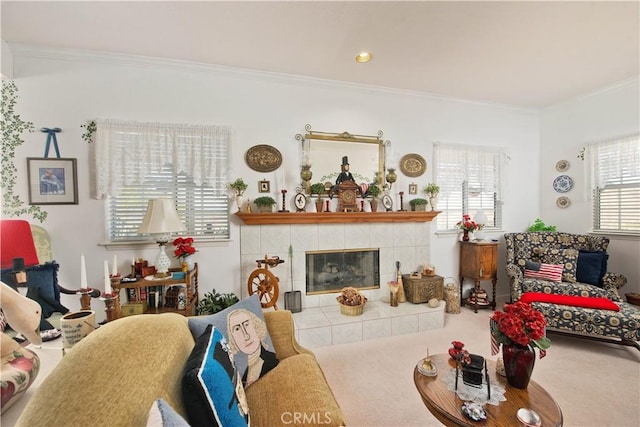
(586, 302)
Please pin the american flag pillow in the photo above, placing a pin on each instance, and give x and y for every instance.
(539, 270)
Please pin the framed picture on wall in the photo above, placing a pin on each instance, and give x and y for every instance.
(52, 181)
(413, 188)
(264, 186)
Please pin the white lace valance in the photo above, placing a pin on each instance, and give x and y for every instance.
(126, 152)
(613, 161)
(477, 165)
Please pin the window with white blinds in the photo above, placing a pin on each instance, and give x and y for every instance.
(137, 162)
(615, 182)
(470, 181)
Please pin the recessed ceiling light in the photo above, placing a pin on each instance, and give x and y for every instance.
(363, 57)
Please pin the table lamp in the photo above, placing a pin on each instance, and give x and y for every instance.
(160, 220)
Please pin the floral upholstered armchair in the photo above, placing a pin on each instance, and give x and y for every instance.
(564, 276)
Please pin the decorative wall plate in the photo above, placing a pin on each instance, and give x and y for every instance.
(263, 158)
(563, 183)
(413, 165)
(563, 202)
(562, 165)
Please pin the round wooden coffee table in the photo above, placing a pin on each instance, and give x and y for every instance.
(445, 405)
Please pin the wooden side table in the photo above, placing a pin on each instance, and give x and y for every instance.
(479, 261)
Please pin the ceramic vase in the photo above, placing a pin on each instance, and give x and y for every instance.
(189, 263)
(465, 235)
(518, 364)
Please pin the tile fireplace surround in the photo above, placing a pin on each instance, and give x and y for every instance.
(320, 322)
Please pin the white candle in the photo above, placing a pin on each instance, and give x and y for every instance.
(83, 273)
(114, 268)
(107, 281)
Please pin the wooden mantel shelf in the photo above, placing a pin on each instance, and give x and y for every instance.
(334, 217)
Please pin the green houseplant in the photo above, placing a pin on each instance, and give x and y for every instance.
(264, 203)
(213, 302)
(373, 192)
(539, 225)
(238, 186)
(318, 189)
(432, 190)
(418, 204)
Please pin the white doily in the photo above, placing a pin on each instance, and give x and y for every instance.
(473, 394)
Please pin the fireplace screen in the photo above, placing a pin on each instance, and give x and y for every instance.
(330, 271)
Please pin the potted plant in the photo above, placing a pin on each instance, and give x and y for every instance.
(432, 190)
(264, 203)
(214, 302)
(418, 204)
(373, 192)
(238, 186)
(318, 189)
(539, 225)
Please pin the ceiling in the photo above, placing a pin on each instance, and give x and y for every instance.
(525, 54)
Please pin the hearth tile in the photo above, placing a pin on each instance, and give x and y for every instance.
(304, 237)
(404, 324)
(381, 235)
(347, 333)
(357, 236)
(310, 318)
(376, 328)
(331, 236)
(275, 240)
(315, 337)
(249, 240)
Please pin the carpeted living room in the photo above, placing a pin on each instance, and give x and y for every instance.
(423, 165)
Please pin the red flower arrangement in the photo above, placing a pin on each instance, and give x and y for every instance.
(184, 247)
(520, 324)
(467, 224)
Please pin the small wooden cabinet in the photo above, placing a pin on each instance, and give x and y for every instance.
(478, 262)
(138, 293)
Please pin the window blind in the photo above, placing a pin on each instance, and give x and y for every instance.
(187, 163)
(470, 180)
(615, 182)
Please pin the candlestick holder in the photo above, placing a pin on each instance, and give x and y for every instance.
(284, 193)
(327, 206)
(85, 298)
(402, 209)
(112, 306)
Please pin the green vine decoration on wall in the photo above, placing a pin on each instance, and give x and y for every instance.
(13, 127)
(89, 131)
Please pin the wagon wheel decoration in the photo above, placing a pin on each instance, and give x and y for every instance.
(265, 284)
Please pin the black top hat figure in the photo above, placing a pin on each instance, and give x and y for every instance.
(345, 160)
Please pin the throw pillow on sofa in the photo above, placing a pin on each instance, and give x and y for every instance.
(538, 270)
(592, 265)
(244, 327)
(163, 415)
(211, 387)
(568, 258)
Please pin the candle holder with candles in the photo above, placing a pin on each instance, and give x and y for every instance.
(112, 305)
(85, 298)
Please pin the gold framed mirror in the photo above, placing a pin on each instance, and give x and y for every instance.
(324, 152)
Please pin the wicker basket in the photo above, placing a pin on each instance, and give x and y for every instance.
(352, 310)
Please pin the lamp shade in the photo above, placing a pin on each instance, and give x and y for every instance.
(161, 217)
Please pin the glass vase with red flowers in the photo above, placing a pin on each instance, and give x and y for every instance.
(183, 251)
(467, 225)
(519, 329)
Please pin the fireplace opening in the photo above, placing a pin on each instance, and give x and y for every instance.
(330, 271)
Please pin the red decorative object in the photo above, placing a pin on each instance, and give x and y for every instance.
(576, 301)
(184, 247)
(465, 235)
(518, 364)
(327, 206)
(456, 349)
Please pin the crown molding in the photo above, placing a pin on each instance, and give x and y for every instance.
(111, 58)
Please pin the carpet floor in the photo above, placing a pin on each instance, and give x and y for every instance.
(595, 384)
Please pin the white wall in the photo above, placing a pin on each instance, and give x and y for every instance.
(65, 89)
(564, 130)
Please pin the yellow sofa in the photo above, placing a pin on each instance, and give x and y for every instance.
(113, 376)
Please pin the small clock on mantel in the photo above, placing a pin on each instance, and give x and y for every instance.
(347, 193)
